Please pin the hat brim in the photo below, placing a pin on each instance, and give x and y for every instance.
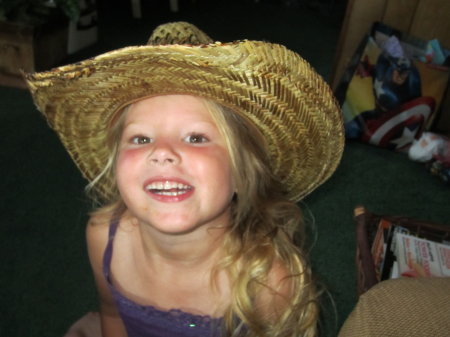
(266, 83)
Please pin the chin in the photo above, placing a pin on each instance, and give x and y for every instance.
(176, 230)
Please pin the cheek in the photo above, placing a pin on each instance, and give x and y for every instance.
(130, 156)
(126, 163)
(216, 170)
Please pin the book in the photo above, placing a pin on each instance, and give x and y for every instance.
(379, 246)
(383, 248)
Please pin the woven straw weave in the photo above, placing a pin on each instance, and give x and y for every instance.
(402, 308)
(178, 33)
(266, 83)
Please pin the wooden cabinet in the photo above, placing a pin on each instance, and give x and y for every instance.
(27, 48)
(425, 19)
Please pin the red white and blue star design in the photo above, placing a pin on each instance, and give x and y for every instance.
(397, 128)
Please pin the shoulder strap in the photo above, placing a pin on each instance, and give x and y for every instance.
(107, 256)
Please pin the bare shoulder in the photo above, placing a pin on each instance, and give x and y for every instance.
(275, 296)
(97, 234)
(97, 224)
(279, 279)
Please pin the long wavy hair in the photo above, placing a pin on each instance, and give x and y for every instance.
(262, 232)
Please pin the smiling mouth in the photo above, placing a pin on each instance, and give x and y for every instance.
(168, 188)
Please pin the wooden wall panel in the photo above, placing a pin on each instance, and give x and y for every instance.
(432, 20)
(400, 13)
(358, 19)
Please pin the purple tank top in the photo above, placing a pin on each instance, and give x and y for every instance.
(147, 321)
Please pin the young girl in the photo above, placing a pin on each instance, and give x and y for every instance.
(198, 152)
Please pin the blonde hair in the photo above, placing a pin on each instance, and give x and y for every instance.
(261, 233)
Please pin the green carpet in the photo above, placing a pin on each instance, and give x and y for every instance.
(45, 280)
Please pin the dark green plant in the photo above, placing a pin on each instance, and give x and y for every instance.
(38, 11)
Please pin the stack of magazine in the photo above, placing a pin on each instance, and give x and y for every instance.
(397, 251)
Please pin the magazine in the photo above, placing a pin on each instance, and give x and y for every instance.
(420, 257)
(397, 252)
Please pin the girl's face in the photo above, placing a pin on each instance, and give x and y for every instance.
(173, 169)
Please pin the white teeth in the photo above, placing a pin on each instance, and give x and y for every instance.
(167, 186)
(170, 193)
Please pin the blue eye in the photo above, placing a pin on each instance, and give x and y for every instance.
(196, 139)
(139, 140)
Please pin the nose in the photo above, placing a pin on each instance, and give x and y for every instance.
(162, 153)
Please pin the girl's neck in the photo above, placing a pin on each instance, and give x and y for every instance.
(179, 269)
(196, 250)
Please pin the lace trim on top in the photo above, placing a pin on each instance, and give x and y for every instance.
(175, 316)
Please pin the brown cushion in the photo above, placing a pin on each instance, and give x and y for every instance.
(402, 307)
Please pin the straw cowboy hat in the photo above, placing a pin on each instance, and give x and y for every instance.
(271, 86)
